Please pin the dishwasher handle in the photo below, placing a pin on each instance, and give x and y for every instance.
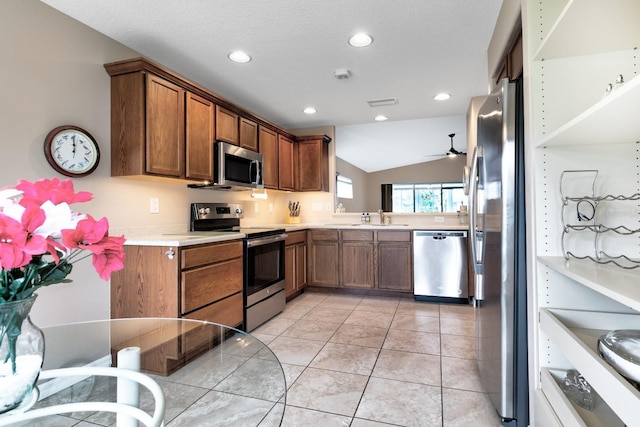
(439, 235)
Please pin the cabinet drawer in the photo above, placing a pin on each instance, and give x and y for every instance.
(324, 234)
(225, 312)
(205, 285)
(366, 235)
(201, 255)
(394, 236)
(296, 237)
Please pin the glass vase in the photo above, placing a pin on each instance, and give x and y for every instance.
(21, 353)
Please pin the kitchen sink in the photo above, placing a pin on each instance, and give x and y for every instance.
(369, 225)
(381, 225)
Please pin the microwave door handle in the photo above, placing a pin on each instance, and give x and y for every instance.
(254, 171)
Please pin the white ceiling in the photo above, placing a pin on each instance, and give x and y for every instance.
(420, 48)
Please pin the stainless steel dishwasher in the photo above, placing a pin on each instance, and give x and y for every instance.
(440, 266)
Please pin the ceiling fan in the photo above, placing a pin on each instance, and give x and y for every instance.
(452, 151)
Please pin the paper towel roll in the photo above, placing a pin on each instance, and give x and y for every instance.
(128, 391)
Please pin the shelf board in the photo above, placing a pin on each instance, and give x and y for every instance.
(571, 36)
(613, 282)
(576, 334)
(568, 411)
(614, 119)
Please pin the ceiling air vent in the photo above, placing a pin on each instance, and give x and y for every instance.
(382, 102)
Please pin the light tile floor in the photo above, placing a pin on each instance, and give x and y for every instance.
(366, 361)
(358, 361)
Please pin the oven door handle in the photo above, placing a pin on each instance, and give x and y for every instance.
(265, 240)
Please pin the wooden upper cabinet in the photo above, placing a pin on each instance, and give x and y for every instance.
(147, 126)
(313, 162)
(165, 128)
(512, 63)
(268, 143)
(248, 134)
(227, 128)
(286, 163)
(200, 123)
(164, 125)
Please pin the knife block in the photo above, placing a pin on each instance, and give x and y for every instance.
(292, 220)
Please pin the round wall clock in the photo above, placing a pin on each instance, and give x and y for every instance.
(71, 151)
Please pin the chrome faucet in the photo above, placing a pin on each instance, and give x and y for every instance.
(382, 217)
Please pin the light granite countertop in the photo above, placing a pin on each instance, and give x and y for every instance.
(203, 237)
(183, 239)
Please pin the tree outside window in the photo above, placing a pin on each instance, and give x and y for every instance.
(427, 197)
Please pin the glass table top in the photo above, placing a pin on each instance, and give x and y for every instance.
(211, 374)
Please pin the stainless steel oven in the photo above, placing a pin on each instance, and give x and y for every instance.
(264, 294)
(263, 276)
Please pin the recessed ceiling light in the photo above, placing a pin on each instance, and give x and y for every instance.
(380, 118)
(309, 110)
(360, 40)
(442, 96)
(239, 56)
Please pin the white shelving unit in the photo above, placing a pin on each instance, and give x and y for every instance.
(573, 49)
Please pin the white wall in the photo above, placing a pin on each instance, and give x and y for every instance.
(52, 73)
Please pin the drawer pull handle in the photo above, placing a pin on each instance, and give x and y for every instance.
(170, 253)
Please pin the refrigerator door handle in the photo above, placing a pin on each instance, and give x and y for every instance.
(473, 232)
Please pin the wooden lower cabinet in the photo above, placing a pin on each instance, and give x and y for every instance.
(295, 263)
(394, 261)
(356, 261)
(200, 282)
(224, 311)
(324, 258)
(361, 259)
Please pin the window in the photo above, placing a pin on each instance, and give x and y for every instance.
(344, 187)
(426, 198)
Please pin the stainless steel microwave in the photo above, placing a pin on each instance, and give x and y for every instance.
(234, 168)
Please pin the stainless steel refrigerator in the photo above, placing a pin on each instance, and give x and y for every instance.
(497, 231)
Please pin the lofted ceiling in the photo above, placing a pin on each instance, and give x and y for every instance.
(420, 48)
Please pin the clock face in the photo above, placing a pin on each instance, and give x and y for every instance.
(71, 151)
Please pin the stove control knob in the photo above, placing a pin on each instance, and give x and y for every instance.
(203, 211)
(239, 211)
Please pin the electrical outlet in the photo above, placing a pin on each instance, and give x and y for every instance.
(328, 207)
(154, 205)
(439, 219)
(256, 207)
(270, 207)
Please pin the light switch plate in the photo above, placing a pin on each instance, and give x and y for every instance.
(439, 219)
(154, 205)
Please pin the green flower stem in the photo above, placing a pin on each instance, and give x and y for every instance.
(13, 327)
